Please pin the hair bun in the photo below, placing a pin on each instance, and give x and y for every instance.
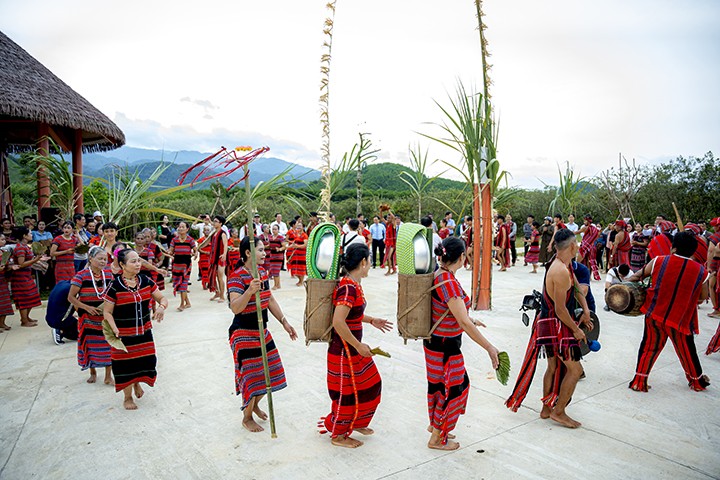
(438, 250)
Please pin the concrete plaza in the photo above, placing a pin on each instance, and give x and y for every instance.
(55, 425)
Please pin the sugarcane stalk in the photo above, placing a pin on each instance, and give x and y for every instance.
(258, 305)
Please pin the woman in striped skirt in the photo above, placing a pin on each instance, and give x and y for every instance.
(24, 290)
(276, 251)
(182, 249)
(62, 249)
(204, 260)
(127, 310)
(353, 380)
(87, 289)
(533, 254)
(5, 298)
(233, 254)
(448, 382)
(297, 239)
(245, 337)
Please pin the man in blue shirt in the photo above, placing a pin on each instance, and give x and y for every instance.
(377, 232)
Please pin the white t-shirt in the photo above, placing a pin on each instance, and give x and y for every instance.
(437, 241)
(346, 228)
(282, 227)
(352, 237)
(614, 277)
(573, 227)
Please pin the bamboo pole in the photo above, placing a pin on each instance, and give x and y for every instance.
(261, 328)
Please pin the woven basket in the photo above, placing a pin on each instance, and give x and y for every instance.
(318, 309)
(414, 306)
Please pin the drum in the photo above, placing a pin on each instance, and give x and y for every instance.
(414, 249)
(414, 306)
(626, 298)
(591, 335)
(318, 309)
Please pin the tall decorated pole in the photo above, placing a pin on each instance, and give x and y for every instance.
(484, 188)
(261, 327)
(326, 167)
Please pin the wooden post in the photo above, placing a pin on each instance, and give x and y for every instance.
(477, 246)
(485, 294)
(77, 170)
(43, 184)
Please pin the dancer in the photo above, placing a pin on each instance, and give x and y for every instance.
(467, 236)
(679, 284)
(533, 253)
(587, 253)
(5, 298)
(502, 243)
(621, 245)
(24, 290)
(390, 241)
(297, 243)
(448, 382)
(244, 336)
(713, 266)
(62, 250)
(218, 259)
(353, 380)
(87, 289)
(546, 235)
(182, 249)
(233, 254)
(638, 251)
(661, 244)
(160, 261)
(276, 250)
(556, 332)
(204, 248)
(127, 310)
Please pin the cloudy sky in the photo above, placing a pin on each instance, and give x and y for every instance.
(576, 81)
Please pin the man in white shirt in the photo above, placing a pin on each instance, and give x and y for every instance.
(282, 227)
(377, 232)
(352, 236)
(616, 275)
(200, 224)
(571, 225)
(258, 225)
(450, 222)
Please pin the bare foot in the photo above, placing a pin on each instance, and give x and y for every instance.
(28, 324)
(180, 308)
(365, 431)
(5, 327)
(274, 288)
(220, 300)
(298, 284)
(450, 435)
(187, 305)
(564, 420)
(93, 377)
(129, 404)
(347, 442)
(545, 412)
(261, 415)
(436, 444)
(109, 380)
(251, 425)
(139, 392)
(214, 297)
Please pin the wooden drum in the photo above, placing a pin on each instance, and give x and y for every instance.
(626, 298)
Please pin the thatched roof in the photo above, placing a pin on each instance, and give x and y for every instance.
(30, 93)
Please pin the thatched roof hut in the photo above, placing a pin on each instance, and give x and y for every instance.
(35, 106)
(30, 94)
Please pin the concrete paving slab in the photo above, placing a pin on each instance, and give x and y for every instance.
(54, 425)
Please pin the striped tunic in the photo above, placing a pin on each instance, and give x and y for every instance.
(296, 262)
(533, 254)
(275, 252)
(64, 264)
(157, 276)
(353, 381)
(204, 263)
(182, 262)
(132, 317)
(24, 290)
(5, 298)
(448, 382)
(244, 339)
(93, 350)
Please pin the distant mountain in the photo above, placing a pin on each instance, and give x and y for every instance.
(99, 165)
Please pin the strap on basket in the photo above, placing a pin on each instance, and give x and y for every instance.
(417, 302)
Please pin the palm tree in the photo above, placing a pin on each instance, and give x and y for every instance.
(417, 179)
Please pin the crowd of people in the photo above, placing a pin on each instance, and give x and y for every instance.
(120, 285)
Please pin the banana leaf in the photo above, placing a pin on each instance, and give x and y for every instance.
(114, 341)
(6, 254)
(378, 351)
(38, 248)
(503, 370)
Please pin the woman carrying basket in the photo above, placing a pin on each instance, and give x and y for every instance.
(448, 382)
(353, 380)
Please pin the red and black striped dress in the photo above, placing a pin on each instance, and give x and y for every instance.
(353, 381)
(64, 264)
(296, 262)
(233, 255)
(204, 262)
(275, 255)
(93, 350)
(132, 317)
(157, 276)
(182, 262)
(244, 339)
(24, 290)
(5, 298)
(448, 382)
